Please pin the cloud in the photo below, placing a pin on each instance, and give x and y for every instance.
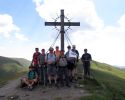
(7, 26)
(21, 37)
(82, 10)
(104, 42)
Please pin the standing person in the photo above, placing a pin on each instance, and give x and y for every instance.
(77, 60)
(51, 67)
(35, 60)
(86, 58)
(71, 58)
(57, 52)
(63, 70)
(43, 67)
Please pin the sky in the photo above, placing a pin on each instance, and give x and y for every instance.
(101, 30)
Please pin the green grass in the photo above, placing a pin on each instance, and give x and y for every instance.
(11, 68)
(108, 83)
(4, 80)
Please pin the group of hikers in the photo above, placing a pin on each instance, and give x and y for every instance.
(56, 67)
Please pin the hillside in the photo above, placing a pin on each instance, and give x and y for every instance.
(107, 83)
(22, 61)
(11, 67)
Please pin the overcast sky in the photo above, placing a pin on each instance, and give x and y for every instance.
(101, 30)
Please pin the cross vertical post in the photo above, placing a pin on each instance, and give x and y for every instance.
(62, 29)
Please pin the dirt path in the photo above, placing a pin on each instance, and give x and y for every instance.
(11, 91)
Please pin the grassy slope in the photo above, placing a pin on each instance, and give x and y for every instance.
(11, 68)
(108, 83)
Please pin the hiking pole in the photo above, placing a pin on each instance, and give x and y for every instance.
(40, 73)
(44, 74)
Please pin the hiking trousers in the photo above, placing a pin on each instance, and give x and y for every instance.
(86, 67)
(43, 74)
(63, 75)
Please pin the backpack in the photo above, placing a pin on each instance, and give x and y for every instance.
(62, 62)
(70, 59)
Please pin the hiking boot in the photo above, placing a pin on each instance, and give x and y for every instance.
(30, 88)
(56, 85)
(68, 85)
(50, 85)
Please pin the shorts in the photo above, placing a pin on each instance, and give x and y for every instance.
(51, 70)
(70, 66)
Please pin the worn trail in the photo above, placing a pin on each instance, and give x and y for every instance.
(11, 91)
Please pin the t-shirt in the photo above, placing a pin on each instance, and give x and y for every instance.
(42, 58)
(35, 57)
(71, 56)
(32, 75)
(51, 58)
(76, 51)
(86, 57)
(57, 53)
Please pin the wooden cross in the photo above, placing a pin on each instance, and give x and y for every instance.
(62, 24)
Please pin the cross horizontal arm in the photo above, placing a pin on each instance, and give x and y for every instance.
(59, 23)
(52, 24)
(71, 23)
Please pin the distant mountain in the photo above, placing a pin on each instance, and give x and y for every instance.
(22, 61)
(11, 66)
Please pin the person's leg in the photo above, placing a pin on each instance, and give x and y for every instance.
(85, 70)
(62, 76)
(42, 75)
(49, 73)
(25, 80)
(72, 71)
(75, 71)
(88, 70)
(36, 68)
(66, 76)
(45, 75)
(55, 74)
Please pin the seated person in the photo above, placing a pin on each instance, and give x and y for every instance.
(31, 79)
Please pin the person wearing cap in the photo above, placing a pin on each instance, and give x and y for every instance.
(71, 58)
(35, 60)
(42, 67)
(86, 59)
(51, 66)
(77, 60)
(31, 78)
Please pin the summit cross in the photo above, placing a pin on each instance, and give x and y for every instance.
(62, 24)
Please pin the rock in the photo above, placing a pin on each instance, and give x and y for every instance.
(13, 97)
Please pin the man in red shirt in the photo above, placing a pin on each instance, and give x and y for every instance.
(35, 60)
